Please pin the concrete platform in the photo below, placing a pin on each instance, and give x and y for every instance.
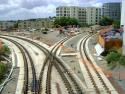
(68, 54)
(107, 82)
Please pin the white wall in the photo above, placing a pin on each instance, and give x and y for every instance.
(123, 13)
(123, 23)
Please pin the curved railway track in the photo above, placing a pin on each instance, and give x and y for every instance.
(87, 63)
(46, 52)
(54, 61)
(26, 55)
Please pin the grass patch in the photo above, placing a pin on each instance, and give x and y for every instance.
(3, 71)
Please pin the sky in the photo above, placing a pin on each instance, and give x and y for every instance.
(27, 9)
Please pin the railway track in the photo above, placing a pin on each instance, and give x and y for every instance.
(52, 60)
(46, 52)
(60, 68)
(52, 63)
(27, 59)
(94, 75)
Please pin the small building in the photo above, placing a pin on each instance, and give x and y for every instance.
(110, 39)
(35, 24)
(6, 25)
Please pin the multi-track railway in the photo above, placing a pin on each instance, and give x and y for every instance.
(94, 75)
(50, 61)
(28, 62)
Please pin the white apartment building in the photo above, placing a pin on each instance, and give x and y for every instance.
(82, 15)
(71, 11)
(90, 15)
(67, 11)
(93, 15)
(123, 23)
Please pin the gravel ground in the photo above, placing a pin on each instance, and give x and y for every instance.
(71, 47)
(10, 87)
(72, 61)
(50, 38)
(72, 43)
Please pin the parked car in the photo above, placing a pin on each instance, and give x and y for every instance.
(51, 30)
(45, 31)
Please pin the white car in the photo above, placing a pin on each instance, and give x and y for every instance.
(51, 30)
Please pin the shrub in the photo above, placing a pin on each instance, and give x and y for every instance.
(3, 70)
(5, 50)
(113, 57)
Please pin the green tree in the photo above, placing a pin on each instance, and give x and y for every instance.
(112, 57)
(64, 21)
(5, 50)
(116, 24)
(122, 60)
(105, 21)
(16, 25)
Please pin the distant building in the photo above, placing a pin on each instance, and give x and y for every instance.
(82, 15)
(6, 25)
(26, 24)
(112, 10)
(35, 24)
(123, 23)
(90, 15)
(93, 15)
(67, 11)
(72, 11)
